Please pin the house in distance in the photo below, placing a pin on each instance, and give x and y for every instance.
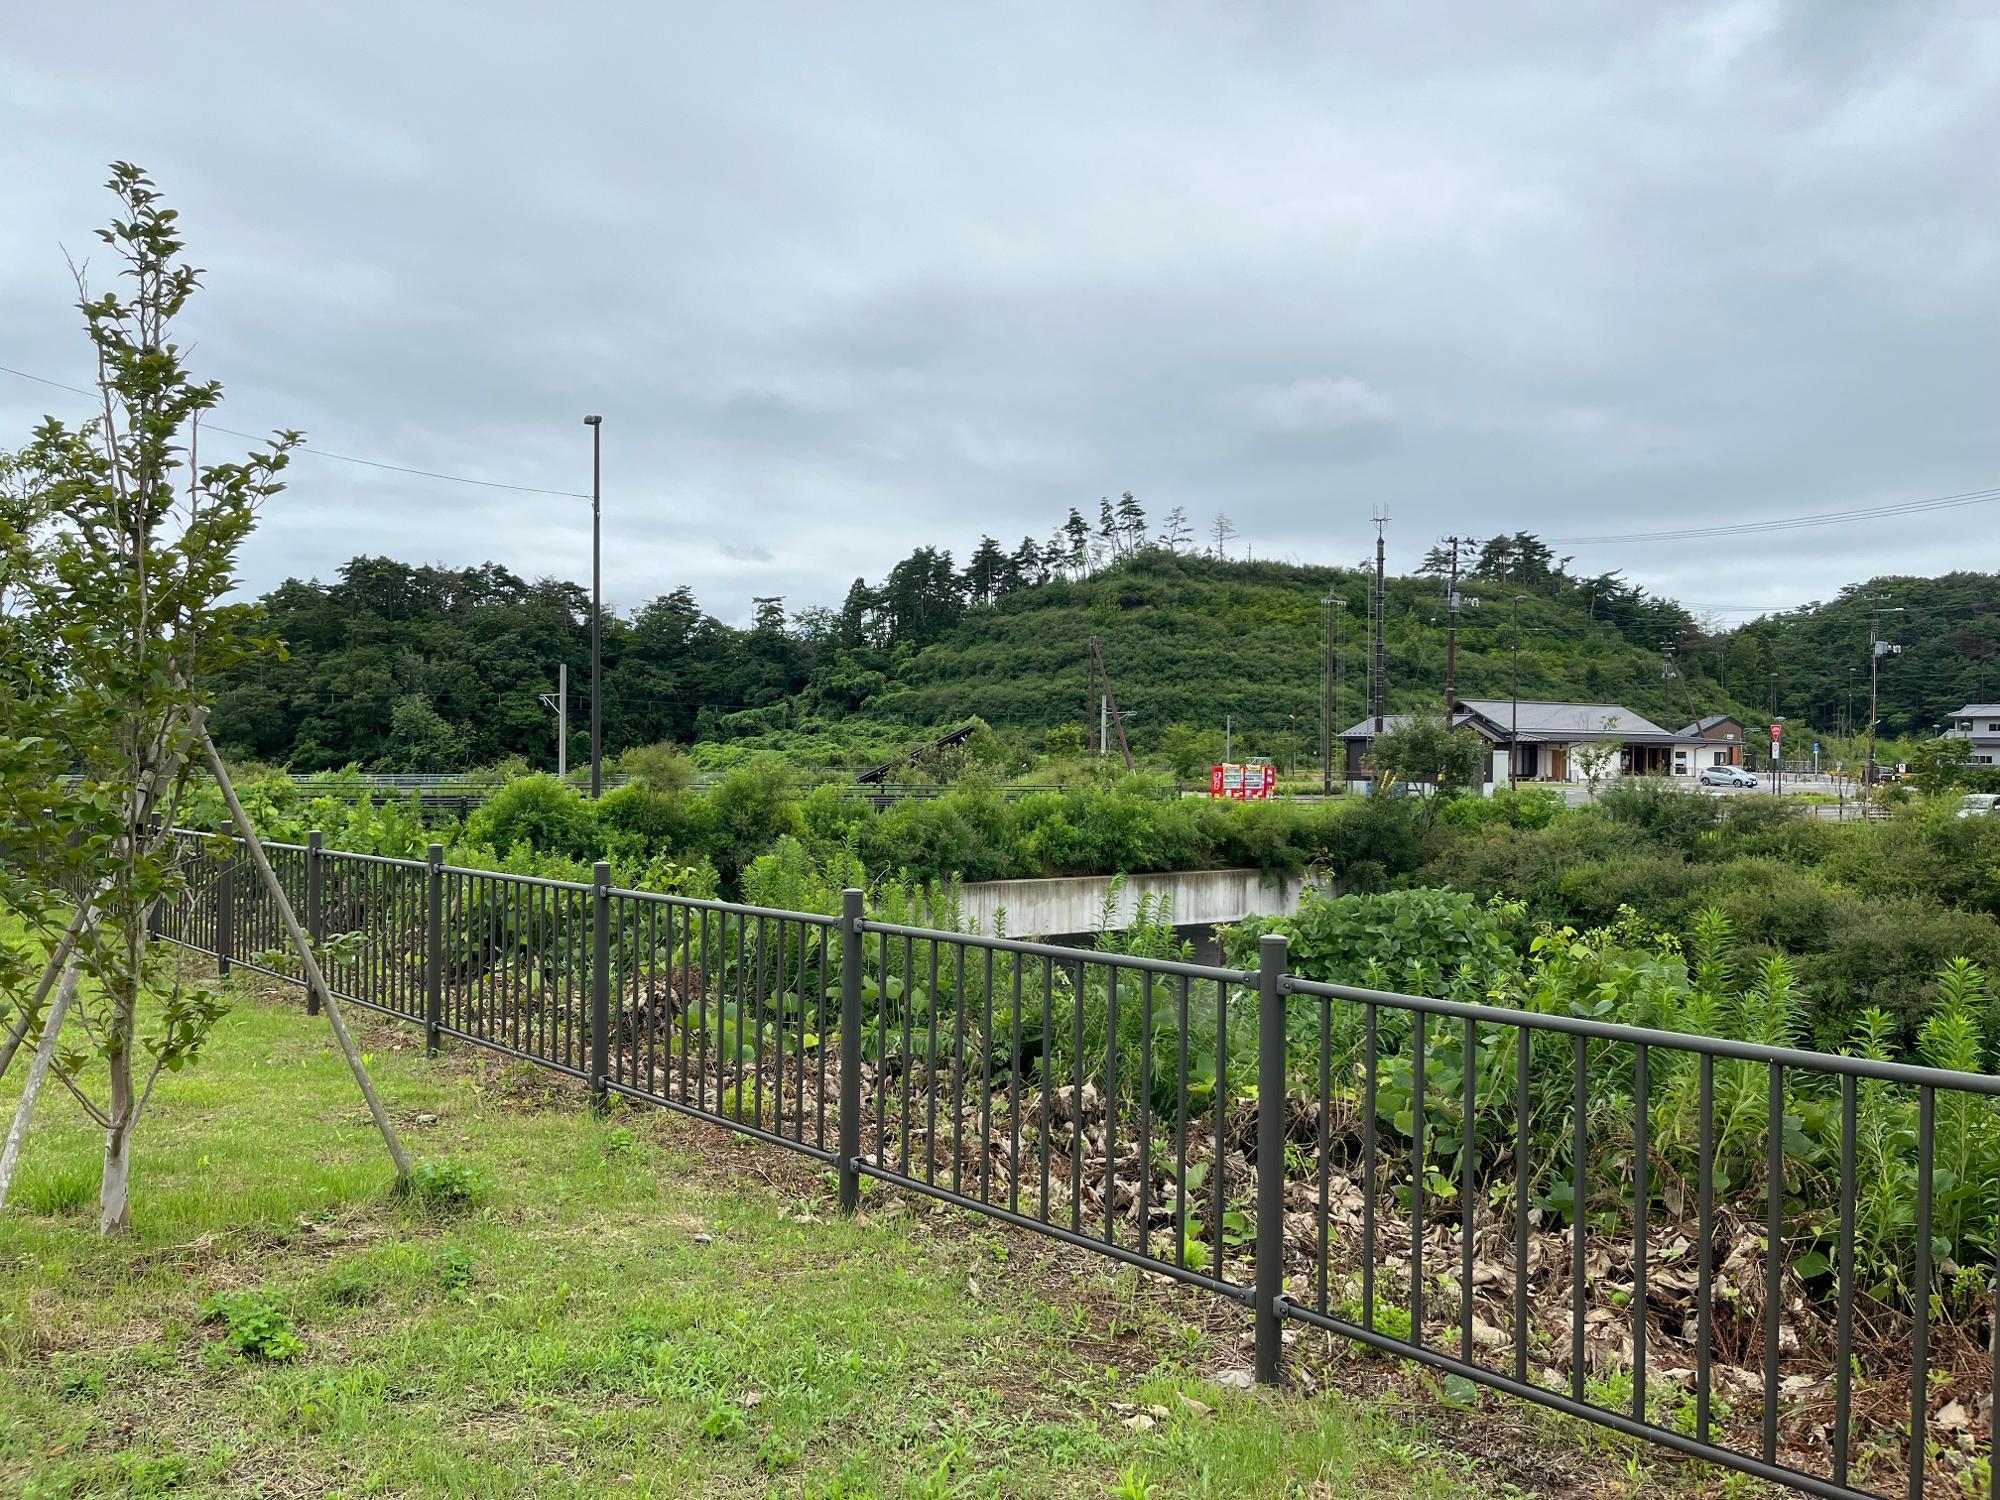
(1544, 740)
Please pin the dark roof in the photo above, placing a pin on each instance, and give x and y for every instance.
(1572, 720)
(1538, 722)
(1365, 730)
(1696, 729)
(1979, 711)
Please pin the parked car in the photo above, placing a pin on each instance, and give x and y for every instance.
(1980, 805)
(1728, 776)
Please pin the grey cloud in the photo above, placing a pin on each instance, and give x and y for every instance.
(846, 281)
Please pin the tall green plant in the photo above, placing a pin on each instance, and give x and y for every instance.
(127, 577)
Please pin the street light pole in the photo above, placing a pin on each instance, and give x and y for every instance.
(1328, 706)
(1514, 724)
(596, 426)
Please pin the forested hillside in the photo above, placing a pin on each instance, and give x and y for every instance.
(421, 668)
(1948, 628)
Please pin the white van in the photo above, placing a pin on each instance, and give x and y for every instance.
(1980, 805)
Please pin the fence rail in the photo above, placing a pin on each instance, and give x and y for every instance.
(1500, 1194)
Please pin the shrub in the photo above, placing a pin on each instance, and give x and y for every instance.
(1431, 941)
(540, 813)
(445, 1185)
(658, 768)
(1668, 815)
(256, 1322)
(1887, 954)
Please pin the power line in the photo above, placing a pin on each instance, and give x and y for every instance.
(1789, 523)
(346, 458)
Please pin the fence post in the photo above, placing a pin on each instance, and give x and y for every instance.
(433, 947)
(225, 913)
(315, 905)
(850, 1050)
(600, 985)
(1270, 1285)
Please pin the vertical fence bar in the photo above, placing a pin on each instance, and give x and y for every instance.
(1522, 1040)
(1579, 1189)
(1468, 1076)
(156, 912)
(600, 983)
(1920, 1292)
(225, 913)
(1705, 1250)
(1774, 1252)
(1418, 1089)
(1270, 1285)
(315, 904)
(1368, 1090)
(1110, 1102)
(1641, 1192)
(1324, 1146)
(1843, 1348)
(848, 1136)
(433, 946)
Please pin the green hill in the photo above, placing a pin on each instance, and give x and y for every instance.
(409, 668)
(1189, 640)
(1948, 629)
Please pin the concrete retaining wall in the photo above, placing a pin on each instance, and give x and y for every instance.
(1073, 904)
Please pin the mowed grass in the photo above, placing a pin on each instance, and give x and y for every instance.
(638, 1305)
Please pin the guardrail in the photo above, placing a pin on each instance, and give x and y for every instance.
(1498, 1194)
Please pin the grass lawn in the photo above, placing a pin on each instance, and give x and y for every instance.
(640, 1305)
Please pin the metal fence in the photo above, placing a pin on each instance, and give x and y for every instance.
(1502, 1195)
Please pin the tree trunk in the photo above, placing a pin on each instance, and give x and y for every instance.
(38, 1072)
(114, 1211)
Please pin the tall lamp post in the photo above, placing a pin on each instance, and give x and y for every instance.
(1514, 724)
(596, 426)
(1329, 704)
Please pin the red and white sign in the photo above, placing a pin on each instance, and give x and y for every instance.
(1242, 782)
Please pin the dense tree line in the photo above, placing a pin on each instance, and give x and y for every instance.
(1812, 663)
(424, 668)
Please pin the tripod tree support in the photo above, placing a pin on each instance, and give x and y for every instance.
(308, 960)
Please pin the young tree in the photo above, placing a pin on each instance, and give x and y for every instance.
(129, 581)
(1224, 532)
(1027, 567)
(985, 573)
(1175, 532)
(1940, 765)
(1131, 524)
(1426, 753)
(768, 614)
(1076, 534)
(1599, 760)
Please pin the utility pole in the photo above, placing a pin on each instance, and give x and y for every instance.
(559, 701)
(1877, 649)
(1228, 727)
(1671, 667)
(1455, 543)
(1107, 708)
(1381, 675)
(596, 426)
(1329, 702)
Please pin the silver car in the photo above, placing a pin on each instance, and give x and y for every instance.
(1728, 776)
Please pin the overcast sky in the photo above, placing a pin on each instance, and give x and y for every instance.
(847, 278)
